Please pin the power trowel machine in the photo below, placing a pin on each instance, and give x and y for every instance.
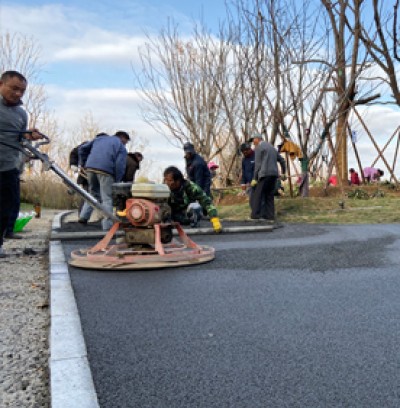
(143, 214)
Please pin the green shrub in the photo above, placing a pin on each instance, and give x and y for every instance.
(358, 193)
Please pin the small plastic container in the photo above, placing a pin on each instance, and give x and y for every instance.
(21, 222)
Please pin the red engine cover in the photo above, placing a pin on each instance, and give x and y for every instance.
(142, 213)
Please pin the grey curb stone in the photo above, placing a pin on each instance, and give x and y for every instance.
(71, 381)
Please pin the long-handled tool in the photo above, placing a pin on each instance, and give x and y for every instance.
(33, 152)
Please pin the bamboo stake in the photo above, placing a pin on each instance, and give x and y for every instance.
(396, 152)
(375, 145)
(357, 155)
(386, 145)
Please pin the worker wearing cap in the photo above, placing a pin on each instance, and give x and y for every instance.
(212, 166)
(196, 168)
(183, 193)
(247, 167)
(248, 161)
(265, 176)
(215, 179)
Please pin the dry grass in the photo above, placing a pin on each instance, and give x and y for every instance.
(371, 204)
(49, 191)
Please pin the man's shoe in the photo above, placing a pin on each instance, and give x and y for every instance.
(2, 253)
(11, 235)
(82, 221)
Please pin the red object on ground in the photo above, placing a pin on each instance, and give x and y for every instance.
(332, 180)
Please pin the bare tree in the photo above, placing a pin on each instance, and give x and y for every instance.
(22, 53)
(350, 62)
(179, 91)
(381, 38)
(269, 69)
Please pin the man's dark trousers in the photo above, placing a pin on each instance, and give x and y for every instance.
(9, 190)
(15, 212)
(264, 191)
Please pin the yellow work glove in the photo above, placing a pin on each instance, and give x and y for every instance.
(253, 183)
(216, 224)
(121, 213)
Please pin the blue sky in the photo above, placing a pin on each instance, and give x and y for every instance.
(89, 48)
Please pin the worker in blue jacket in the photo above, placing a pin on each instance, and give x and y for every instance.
(105, 165)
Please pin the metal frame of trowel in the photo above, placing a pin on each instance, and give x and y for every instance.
(119, 256)
(50, 165)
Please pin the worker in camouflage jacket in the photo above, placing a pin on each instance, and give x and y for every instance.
(187, 200)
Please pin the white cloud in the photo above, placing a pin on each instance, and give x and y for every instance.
(111, 49)
(68, 33)
(53, 26)
(90, 96)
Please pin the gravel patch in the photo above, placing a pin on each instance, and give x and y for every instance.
(25, 317)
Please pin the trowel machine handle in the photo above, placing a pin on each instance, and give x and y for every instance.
(33, 152)
(46, 139)
(25, 142)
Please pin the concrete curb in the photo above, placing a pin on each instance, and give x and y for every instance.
(189, 231)
(71, 381)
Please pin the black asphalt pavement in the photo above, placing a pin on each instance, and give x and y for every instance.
(304, 316)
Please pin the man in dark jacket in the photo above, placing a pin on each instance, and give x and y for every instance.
(197, 169)
(74, 165)
(265, 176)
(185, 192)
(105, 165)
(247, 171)
(132, 166)
(247, 167)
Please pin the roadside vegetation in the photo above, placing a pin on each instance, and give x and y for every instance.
(365, 204)
(378, 203)
(49, 191)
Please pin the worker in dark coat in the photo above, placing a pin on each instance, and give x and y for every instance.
(132, 166)
(247, 168)
(197, 169)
